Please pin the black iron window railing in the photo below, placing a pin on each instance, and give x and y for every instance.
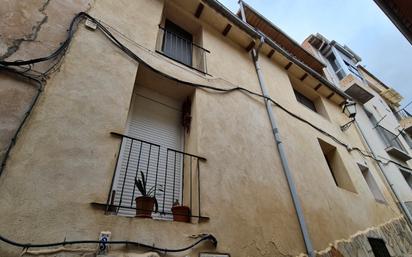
(172, 175)
(389, 138)
(181, 49)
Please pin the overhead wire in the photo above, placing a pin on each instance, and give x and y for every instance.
(25, 69)
(60, 51)
(207, 237)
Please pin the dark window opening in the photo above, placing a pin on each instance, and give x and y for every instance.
(370, 181)
(177, 43)
(378, 247)
(305, 101)
(407, 175)
(336, 166)
(336, 66)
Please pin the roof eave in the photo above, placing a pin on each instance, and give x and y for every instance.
(233, 18)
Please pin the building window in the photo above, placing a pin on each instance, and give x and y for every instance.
(389, 138)
(179, 44)
(379, 248)
(336, 167)
(152, 150)
(353, 70)
(336, 66)
(370, 181)
(305, 101)
(407, 175)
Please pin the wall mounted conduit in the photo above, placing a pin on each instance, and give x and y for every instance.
(280, 147)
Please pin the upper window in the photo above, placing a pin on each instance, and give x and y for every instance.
(177, 43)
(154, 177)
(182, 45)
(407, 175)
(353, 70)
(305, 101)
(336, 167)
(336, 66)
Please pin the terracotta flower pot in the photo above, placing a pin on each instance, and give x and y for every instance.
(144, 206)
(181, 213)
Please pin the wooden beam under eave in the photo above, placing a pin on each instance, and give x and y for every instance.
(250, 46)
(288, 66)
(270, 54)
(199, 10)
(318, 86)
(304, 77)
(331, 94)
(226, 30)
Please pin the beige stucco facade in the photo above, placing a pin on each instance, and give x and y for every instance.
(65, 157)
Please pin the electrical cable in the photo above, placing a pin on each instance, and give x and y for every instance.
(207, 237)
(40, 85)
(63, 48)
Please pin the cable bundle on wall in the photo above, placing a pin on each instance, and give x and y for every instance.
(61, 50)
(207, 237)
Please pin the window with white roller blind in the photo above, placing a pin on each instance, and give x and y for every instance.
(154, 118)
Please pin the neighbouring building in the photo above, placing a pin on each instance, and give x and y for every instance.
(220, 116)
(385, 127)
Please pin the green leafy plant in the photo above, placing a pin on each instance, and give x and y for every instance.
(141, 184)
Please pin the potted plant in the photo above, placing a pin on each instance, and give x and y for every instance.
(181, 213)
(146, 203)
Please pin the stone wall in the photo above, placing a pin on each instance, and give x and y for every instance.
(395, 233)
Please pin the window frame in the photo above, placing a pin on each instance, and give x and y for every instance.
(379, 248)
(174, 31)
(371, 182)
(304, 100)
(336, 166)
(338, 70)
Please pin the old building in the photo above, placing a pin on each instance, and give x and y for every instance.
(222, 115)
(378, 117)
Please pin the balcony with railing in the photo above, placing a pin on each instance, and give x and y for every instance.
(393, 145)
(354, 86)
(181, 49)
(170, 175)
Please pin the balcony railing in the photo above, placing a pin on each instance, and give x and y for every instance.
(389, 138)
(173, 175)
(181, 50)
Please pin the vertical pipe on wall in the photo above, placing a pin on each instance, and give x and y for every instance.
(281, 150)
(403, 208)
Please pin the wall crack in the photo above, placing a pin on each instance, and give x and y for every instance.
(15, 45)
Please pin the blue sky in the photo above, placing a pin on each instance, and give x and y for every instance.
(361, 25)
